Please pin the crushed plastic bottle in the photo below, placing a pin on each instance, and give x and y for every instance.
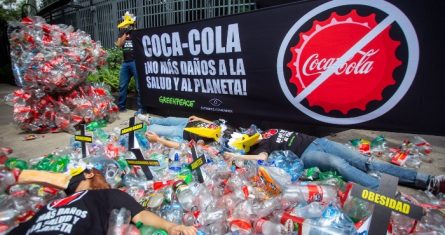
(307, 192)
(332, 221)
(287, 161)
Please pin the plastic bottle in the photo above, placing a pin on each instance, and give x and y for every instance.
(142, 141)
(241, 227)
(186, 174)
(203, 198)
(13, 162)
(118, 223)
(175, 165)
(212, 216)
(96, 124)
(144, 229)
(332, 221)
(309, 193)
(6, 179)
(100, 134)
(172, 212)
(184, 194)
(287, 161)
(267, 227)
(311, 210)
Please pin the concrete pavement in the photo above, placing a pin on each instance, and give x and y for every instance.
(11, 136)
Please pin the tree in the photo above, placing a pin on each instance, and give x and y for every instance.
(10, 10)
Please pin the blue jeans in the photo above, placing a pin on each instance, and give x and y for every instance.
(329, 155)
(170, 127)
(128, 70)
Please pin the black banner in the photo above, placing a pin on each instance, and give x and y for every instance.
(353, 63)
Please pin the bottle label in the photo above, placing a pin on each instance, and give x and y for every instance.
(399, 158)
(259, 225)
(240, 224)
(315, 193)
(290, 216)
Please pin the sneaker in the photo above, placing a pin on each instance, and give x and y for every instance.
(140, 111)
(144, 118)
(437, 184)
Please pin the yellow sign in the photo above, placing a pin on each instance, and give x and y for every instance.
(197, 163)
(143, 162)
(132, 128)
(83, 138)
(385, 201)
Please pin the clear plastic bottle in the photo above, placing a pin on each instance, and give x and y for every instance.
(184, 194)
(267, 227)
(309, 193)
(333, 221)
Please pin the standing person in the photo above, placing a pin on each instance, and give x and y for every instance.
(329, 155)
(128, 68)
(87, 208)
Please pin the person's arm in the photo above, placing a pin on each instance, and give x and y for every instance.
(196, 118)
(151, 219)
(121, 40)
(261, 156)
(153, 137)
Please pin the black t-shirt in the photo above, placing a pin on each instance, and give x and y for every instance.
(277, 139)
(127, 49)
(84, 212)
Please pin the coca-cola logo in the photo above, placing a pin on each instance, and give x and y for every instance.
(341, 63)
(316, 65)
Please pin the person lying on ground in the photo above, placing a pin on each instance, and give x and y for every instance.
(87, 208)
(329, 155)
(191, 128)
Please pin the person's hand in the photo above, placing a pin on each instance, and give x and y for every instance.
(180, 229)
(194, 118)
(151, 136)
(228, 156)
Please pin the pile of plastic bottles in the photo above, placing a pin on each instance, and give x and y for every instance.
(245, 197)
(37, 111)
(54, 58)
(410, 153)
(51, 63)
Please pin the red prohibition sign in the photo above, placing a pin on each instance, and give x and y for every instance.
(353, 72)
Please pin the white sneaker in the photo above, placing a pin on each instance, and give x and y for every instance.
(437, 184)
(144, 118)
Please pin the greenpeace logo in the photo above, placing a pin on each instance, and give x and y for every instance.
(177, 101)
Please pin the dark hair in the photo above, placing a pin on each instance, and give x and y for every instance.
(74, 182)
(98, 181)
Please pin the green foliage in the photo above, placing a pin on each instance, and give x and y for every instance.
(11, 10)
(110, 73)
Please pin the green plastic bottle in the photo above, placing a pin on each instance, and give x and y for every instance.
(16, 163)
(144, 229)
(96, 124)
(186, 174)
(160, 232)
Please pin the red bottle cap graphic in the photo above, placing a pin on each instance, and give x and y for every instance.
(355, 83)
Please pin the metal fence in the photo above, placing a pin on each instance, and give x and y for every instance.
(100, 18)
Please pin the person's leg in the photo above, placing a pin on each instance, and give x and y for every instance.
(169, 121)
(314, 156)
(124, 79)
(134, 72)
(406, 176)
(166, 131)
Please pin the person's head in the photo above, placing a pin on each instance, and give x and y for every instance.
(243, 142)
(90, 179)
(129, 21)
